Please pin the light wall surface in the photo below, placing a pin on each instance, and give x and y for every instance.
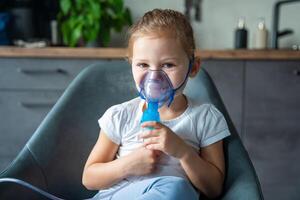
(219, 20)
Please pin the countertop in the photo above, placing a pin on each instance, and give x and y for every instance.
(120, 53)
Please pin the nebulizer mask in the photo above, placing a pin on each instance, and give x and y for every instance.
(157, 89)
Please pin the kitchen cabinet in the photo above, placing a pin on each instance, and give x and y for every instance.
(21, 113)
(272, 125)
(39, 74)
(28, 90)
(228, 78)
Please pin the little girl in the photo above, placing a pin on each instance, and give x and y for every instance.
(176, 157)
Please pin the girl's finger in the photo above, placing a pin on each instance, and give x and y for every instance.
(148, 134)
(153, 147)
(151, 140)
(151, 124)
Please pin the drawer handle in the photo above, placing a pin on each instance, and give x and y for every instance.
(296, 72)
(42, 71)
(37, 104)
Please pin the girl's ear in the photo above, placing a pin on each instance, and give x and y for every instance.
(196, 67)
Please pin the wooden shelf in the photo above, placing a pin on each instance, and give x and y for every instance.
(249, 54)
(120, 53)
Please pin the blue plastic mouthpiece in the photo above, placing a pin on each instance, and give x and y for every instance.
(151, 113)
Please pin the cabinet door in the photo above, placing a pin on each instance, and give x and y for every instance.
(39, 73)
(228, 78)
(272, 125)
(20, 115)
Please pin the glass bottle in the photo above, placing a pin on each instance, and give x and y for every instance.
(241, 34)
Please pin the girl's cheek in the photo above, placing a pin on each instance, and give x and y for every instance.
(137, 75)
(177, 79)
(175, 83)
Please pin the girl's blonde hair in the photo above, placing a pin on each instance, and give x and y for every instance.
(159, 23)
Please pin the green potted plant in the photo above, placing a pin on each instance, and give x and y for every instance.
(83, 21)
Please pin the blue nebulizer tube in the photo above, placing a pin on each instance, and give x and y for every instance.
(151, 113)
(29, 186)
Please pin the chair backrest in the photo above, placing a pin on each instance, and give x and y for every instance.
(54, 157)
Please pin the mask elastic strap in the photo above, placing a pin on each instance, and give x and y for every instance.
(141, 95)
(186, 77)
(171, 98)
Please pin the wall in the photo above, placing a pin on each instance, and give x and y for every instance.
(219, 19)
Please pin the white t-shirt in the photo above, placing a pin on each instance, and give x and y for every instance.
(199, 125)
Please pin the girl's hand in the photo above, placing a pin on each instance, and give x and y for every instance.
(142, 161)
(164, 139)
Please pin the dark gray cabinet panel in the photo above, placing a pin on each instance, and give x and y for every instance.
(272, 125)
(228, 77)
(29, 87)
(21, 113)
(26, 73)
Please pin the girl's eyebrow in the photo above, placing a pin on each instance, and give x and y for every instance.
(170, 58)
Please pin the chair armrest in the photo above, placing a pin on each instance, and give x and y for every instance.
(241, 180)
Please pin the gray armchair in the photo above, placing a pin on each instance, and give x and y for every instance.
(54, 157)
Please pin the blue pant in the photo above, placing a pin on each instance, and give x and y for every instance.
(164, 188)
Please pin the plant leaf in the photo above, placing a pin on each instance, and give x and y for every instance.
(88, 20)
(65, 6)
(76, 35)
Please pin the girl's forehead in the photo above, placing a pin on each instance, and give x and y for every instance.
(158, 46)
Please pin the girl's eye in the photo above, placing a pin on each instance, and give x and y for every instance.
(168, 65)
(142, 65)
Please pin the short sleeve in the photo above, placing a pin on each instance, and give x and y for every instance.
(214, 128)
(110, 123)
